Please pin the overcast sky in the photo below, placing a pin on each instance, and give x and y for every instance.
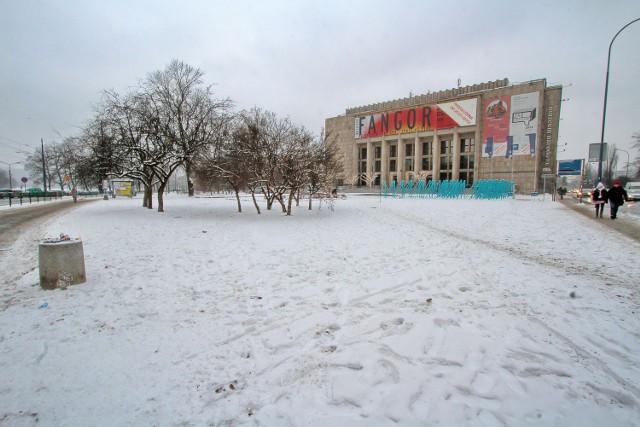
(310, 60)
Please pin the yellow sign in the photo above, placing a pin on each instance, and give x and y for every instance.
(122, 188)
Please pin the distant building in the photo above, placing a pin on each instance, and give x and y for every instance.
(493, 130)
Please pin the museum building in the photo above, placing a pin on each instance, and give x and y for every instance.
(494, 130)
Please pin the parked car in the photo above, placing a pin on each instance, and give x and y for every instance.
(33, 192)
(6, 192)
(633, 190)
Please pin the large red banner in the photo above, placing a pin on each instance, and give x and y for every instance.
(497, 118)
(416, 119)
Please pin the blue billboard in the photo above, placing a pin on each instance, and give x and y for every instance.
(570, 167)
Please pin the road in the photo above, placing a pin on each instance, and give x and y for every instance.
(14, 219)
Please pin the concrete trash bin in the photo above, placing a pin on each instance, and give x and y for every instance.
(61, 264)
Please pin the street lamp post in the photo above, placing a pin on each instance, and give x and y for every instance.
(604, 108)
(44, 172)
(10, 180)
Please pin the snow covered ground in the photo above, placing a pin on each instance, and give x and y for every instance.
(382, 312)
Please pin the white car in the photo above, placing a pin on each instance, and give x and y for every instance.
(633, 190)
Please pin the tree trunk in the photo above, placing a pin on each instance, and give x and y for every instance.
(160, 195)
(282, 204)
(255, 202)
(187, 171)
(269, 198)
(290, 202)
(238, 199)
(310, 199)
(147, 200)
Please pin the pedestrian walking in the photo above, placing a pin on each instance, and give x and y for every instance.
(599, 199)
(617, 195)
(562, 191)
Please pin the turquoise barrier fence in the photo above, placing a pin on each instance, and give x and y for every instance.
(482, 189)
(492, 189)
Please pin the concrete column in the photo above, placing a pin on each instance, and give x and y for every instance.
(417, 154)
(384, 160)
(355, 162)
(401, 157)
(436, 156)
(478, 155)
(369, 160)
(455, 157)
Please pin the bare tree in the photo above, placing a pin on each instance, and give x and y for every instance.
(33, 164)
(189, 115)
(160, 126)
(52, 163)
(226, 162)
(101, 153)
(261, 153)
(324, 168)
(256, 141)
(636, 162)
(59, 161)
(295, 161)
(74, 155)
(127, 132)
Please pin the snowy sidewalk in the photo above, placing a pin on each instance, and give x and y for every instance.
(627, 222)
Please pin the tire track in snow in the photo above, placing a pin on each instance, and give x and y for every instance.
(557, 263)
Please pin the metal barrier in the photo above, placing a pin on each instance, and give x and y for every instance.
(482, 189)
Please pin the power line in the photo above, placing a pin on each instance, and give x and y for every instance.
(16, 145)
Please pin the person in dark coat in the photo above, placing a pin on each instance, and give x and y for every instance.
(562, 191)
(599, 198)
(617, 195)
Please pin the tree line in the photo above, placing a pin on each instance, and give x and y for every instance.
(172, 120)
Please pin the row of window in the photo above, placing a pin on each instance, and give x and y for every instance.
(465, 166)
(467, 145)
(446, 163)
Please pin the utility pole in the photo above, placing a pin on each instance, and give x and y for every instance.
(606, 91)
(44, 175)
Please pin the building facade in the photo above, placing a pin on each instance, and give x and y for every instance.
(493, 130)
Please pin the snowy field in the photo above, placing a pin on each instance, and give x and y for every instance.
(383, 312)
